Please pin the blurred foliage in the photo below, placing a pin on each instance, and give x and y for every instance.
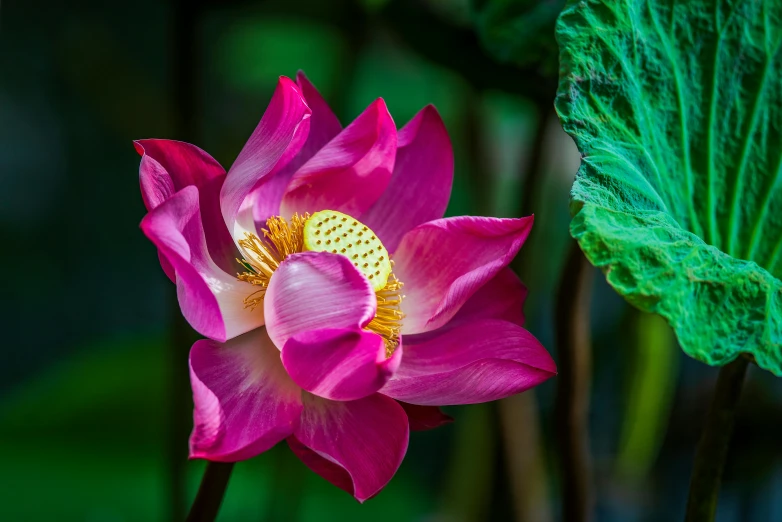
(248, 56)
(84, 378)
(520, 31)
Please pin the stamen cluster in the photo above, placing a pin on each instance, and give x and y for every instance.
(324, 232)
(263, 256)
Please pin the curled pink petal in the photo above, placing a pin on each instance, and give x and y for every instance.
(351, 172)
(324, 126)
(421, 183)
(366, 438)
(339, 364)
(276, 141)
(502, 297)
(444, 262)
(168, 166)
(211, 300)
(327, 469)
(316, 290)
(244, 401)
(425, 418)
(481, 361)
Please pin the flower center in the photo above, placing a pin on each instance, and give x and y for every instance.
(337, 233)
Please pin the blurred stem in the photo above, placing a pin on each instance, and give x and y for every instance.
(480, 179)
(531, 187)
(183, 21)
(713, 445)
(524, 457)
(210, 492)
(575, 368)
(519, 414)
(649, 391)
(533, 169)
(469, 486)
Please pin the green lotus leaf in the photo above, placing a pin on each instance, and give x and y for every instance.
(676, 108)
(519, 31)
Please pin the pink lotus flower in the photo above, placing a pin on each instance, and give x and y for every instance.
(285, 264)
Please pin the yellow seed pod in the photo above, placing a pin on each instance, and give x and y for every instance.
(338, 233)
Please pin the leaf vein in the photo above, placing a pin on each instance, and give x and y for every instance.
(737, 185)
(695, 223)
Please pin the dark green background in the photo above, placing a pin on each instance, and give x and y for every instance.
(86, 364)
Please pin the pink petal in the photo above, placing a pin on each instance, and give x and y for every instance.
(274, 143)
(444, 262)
(316, 290)
(421, 183)
(339, 364)
(424, 418)
(212, 301)
(324, 126)
(168, 166)
(351, 172)
(366, 438)
(334, 473)
(245, 403)
(500, 298)
(476, 362)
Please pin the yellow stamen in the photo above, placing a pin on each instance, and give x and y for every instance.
(282, 238)
(387, 322)
(263, 256)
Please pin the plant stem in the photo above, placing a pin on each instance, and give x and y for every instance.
(469, 492)
(713, 445)
(481, 182)
(210, 492)
(519, 414)
(575, 368)
(525, 457)
(533, 174)
(182, 99)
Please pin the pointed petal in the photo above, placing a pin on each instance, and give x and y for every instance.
(168, 166)
(444, 262)
(324, 126)
(316, 290)
(212, 301)
(425, 418)
(339, 364)
(351, 172)
(330, 471)
(366, 438)
(476, 362)
(421, 183)
(245, 403)
(275, 142)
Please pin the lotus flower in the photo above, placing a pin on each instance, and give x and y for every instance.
(340, 309)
